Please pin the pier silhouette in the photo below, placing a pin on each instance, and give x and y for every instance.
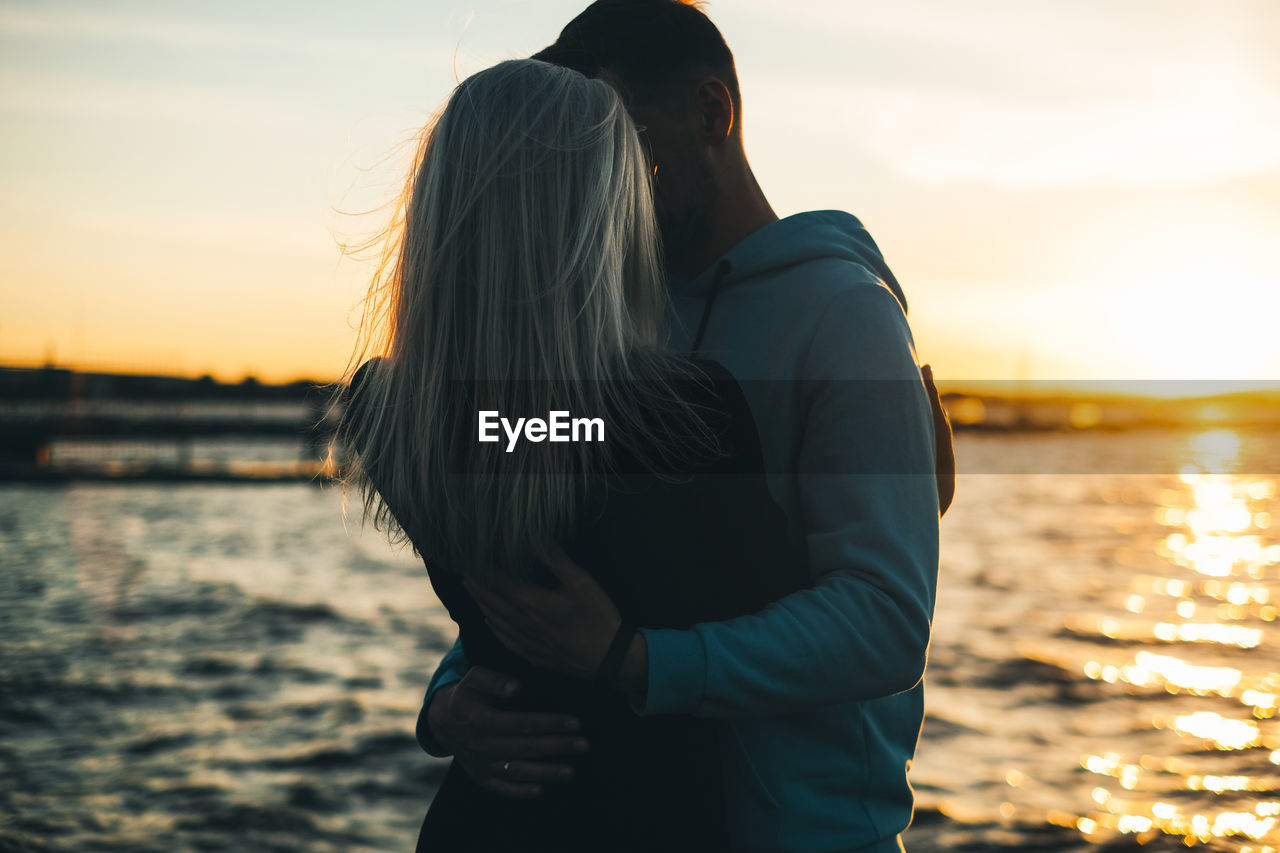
(59, 424)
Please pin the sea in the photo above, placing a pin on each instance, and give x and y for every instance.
(208, 666)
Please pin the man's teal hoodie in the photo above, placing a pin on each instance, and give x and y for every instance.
(820, 694)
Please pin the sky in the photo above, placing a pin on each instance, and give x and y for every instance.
(1068, 190)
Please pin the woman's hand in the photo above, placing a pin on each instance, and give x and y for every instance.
(567, 629)
(945, 446)
(512, 753)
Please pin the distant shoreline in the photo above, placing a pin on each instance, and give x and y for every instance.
(58, 425)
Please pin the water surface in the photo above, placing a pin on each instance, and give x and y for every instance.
(191, 667)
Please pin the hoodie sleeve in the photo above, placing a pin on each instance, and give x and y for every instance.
(870, 515)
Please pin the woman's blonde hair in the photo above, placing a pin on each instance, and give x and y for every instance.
(521, 274)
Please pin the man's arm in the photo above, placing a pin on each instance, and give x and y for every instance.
(869, 503)
(869, 506)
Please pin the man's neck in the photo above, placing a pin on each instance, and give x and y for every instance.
(741, 210)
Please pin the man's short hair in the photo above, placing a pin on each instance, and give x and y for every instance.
(650, 47)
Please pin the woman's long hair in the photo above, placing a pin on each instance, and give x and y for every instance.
(521, 275)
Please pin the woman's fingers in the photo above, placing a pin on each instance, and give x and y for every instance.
(491, 683)
(944, 444)
(513, 790)
(532, 771)
(520, 779)
(531, 748)
(518, 723)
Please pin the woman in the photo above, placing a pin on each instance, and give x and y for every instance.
(524, 280)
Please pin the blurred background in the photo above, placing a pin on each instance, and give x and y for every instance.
(1082, 201)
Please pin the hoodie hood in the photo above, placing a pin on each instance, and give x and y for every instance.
(789, 242)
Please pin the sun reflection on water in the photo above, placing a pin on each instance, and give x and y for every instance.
(1222, 612)
(1225, 733)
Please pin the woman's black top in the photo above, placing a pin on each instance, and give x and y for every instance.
(670, 553)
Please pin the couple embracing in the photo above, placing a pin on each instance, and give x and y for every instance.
(707, 631)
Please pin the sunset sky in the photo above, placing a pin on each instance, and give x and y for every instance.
(1067, 190)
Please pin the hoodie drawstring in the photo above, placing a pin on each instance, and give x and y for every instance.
(722, 270)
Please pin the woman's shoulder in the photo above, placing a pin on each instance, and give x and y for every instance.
(357, 390)
(360, 379)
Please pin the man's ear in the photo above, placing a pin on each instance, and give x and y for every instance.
(714, 107)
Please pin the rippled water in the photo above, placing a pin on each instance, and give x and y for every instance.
(1105, 661)
(211, 667)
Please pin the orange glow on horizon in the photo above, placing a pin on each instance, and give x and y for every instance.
(1112, 223)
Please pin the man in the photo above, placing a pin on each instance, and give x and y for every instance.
(819, 695)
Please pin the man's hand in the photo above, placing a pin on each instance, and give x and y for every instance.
(568, 629)
(504, 751)
(946, 451)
